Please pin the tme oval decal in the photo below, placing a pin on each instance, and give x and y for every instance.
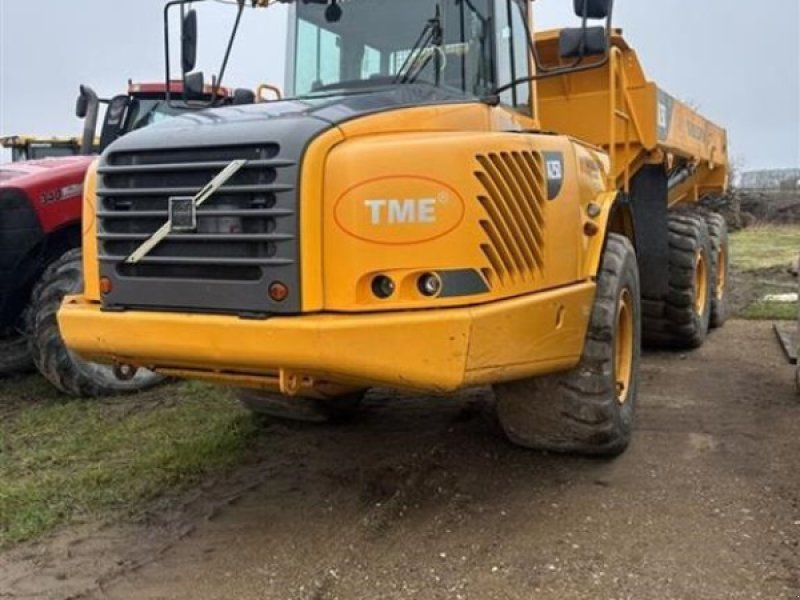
(399, 210)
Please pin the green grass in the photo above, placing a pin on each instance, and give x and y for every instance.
(61, 461)
(765, 247)
(771, 311)
(764, 255)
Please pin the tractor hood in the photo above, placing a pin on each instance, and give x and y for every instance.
(252, 124)
(35, 173)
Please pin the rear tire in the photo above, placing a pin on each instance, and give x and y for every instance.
(720, 253)
(682, 319)
(63, 368)
(299, 408)
(589, 410)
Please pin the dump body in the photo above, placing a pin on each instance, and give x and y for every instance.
(617, 108)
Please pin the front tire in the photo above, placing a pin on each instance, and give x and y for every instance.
(63, 368)
(589, 410)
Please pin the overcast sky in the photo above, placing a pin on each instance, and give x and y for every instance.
(738, 61)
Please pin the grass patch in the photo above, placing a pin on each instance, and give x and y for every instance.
(765, 247)
(771, 311)
(61, 461)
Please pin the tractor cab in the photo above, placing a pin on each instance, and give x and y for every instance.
(25, 147)
(143, 105)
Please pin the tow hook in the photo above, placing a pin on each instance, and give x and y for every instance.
(290, 383)
(125, 372)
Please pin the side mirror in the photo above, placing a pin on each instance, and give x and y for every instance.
(189, 42)
(580, 43)
(194, 86)
(115, 120)
(82, 105)
(116, 110)
(593, 9)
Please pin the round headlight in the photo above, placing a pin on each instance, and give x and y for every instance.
(429, 285)
(383, 287)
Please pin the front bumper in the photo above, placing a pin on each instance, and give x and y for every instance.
(429, 350)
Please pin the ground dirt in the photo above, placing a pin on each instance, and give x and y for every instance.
(423, 498)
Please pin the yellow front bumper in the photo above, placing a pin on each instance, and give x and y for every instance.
(435, 350)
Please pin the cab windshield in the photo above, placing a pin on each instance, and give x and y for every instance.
(374, 43)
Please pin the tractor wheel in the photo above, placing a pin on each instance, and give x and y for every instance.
(589, 410)
(720, 251)
(15, 357)
(63, 368)
(298, 408)
(683, 318)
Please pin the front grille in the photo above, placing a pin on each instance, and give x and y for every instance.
(246, 235)
(514, 198)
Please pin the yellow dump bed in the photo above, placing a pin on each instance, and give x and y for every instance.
(637, 123)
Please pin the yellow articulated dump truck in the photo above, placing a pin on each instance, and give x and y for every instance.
(445, 199)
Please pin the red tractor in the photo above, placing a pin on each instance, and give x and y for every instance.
(40, 237)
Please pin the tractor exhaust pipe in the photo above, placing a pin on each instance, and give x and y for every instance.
(88, 109)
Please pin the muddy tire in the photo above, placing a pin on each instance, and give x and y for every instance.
(682, 319)
(63, 368)
(589, 410)
(720, 254)
(15, 356)
(297, 408)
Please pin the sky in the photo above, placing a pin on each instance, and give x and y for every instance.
(738, 62)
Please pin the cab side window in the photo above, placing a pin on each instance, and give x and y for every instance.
(513, 57)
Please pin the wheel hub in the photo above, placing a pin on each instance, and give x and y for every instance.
(700, 283)
(624, 347)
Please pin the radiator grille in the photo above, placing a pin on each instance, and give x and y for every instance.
(246, 233)
(514, 194)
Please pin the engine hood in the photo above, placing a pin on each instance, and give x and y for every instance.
(256, 212)
(250, 124)
(34, 173)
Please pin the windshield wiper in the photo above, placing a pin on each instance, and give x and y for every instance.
(431, 37)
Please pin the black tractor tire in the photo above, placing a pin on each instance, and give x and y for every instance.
(63, 368)
(298, 408)
(682, 319)
(588, 410)
(15, 356)
(720, 248)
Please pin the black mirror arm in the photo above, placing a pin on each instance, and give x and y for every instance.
(229, 49)
(545, 72)
(167, 71)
